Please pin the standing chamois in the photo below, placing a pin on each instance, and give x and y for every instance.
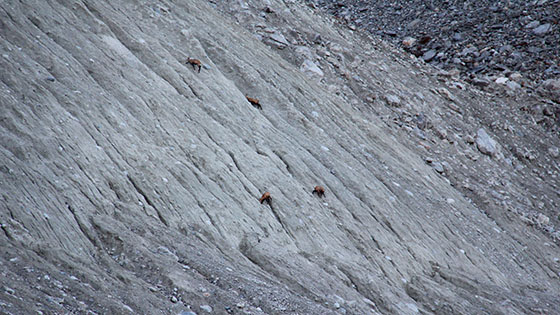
(254, 101)
(265, 197)
(194, 63)
(320, 190)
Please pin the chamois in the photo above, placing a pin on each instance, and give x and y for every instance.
(194, 63)
(265, 197)
(255, 102)
(320, 190)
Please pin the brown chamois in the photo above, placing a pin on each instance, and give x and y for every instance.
(194, 63)
(254, 101)
(320, 190)
(265, 197)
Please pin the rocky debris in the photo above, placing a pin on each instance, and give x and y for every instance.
(515, 36)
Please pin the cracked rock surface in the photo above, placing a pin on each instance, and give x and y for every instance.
(130, 183)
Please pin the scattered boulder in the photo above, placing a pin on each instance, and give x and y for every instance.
(486, 145)
(311, 69)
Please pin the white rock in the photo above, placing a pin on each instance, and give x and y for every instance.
(502, 80)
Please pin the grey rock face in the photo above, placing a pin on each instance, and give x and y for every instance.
(131, 183)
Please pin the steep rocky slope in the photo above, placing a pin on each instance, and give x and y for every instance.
(130, 182)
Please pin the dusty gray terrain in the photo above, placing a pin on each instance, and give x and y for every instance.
(129, 182)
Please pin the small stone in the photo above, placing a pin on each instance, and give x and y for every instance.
(512, 85)
(547, 111)
(469, 139)
(438, 167)
(369, 302)
(551, 84)
(480, 82)
(485, 144)
(317, 39)
(279, 40)
(336, 304)
(409, 41)
(542, 29)
(457, 37)
(419, 133)
(456, 61)
(542, 219)
(206, 308)
(240, 305)
(305, 52)
(51, 79)
(393, 100)
(153, 289)
(501, 80)
(9, 290)
(446, 167)
(429, 55)
(533, 24)
(187, 313)
(441, 132)
(505, 48)
(516, 76)
(554, 152)
(174, 299)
